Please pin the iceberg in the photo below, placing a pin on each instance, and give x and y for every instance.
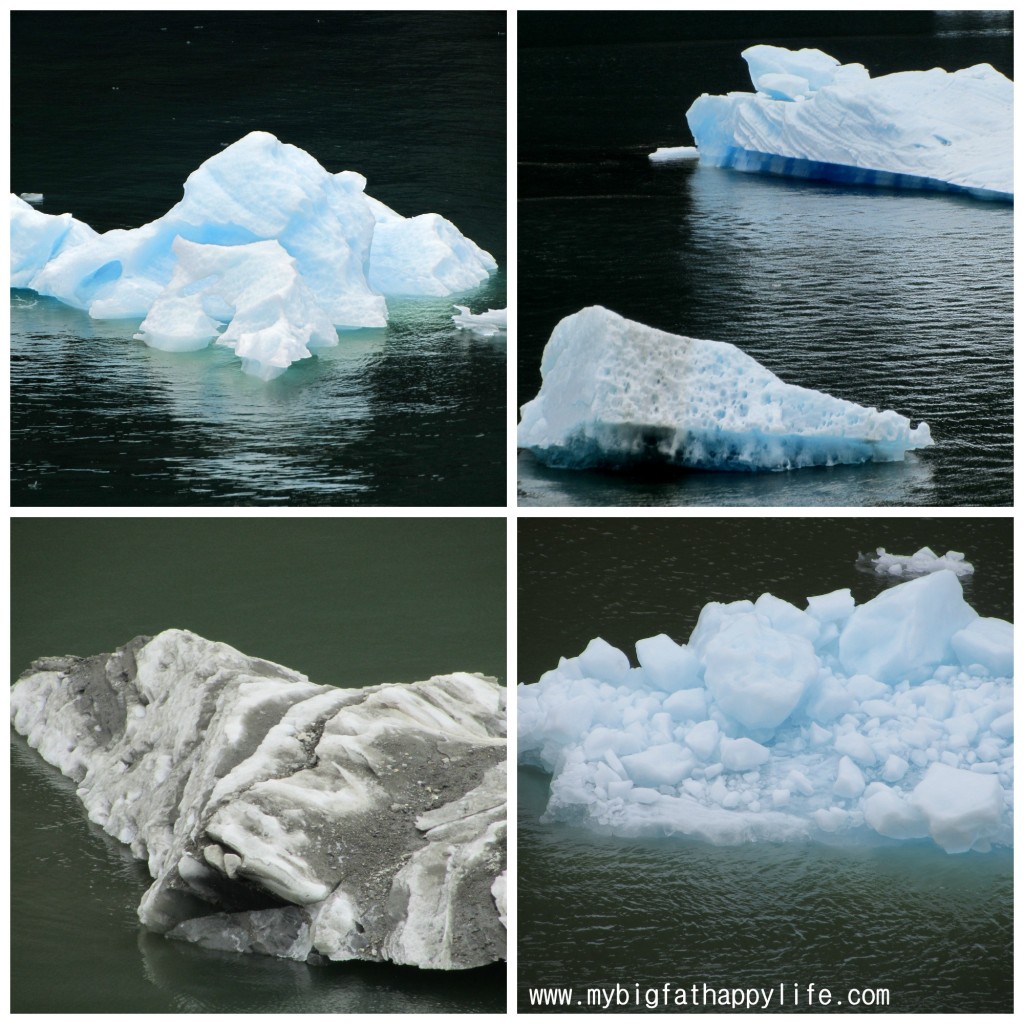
(921, 561)
(488, 324)
(281, 817)
(812, 117)
(348, 251)
(616, 393)
(671, 154)
(842, 723)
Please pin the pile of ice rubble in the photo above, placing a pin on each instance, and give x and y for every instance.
(813, 117)
(616, 393)
(264, 240)
(921, 561)
(892, 719)
(282, 817)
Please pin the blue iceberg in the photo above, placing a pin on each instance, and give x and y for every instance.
(888, 721)
(264, 240)
(616, 393)
(812, 117)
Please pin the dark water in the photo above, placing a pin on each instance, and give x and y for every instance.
(934, 929)
(409, 415)
(349, 603)
(894, 300)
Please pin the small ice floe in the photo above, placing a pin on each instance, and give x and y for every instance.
(486, 324)
(670, 154)
(32, 197)
(923, 561)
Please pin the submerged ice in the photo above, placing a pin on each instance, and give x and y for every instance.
(892, 720)
(813, 117)
(281, 817)
(488, 324)
(616, 393)
(347, 250)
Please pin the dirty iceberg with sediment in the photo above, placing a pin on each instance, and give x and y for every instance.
(265, 241)
(880, 723)
(617, 394)
(813, 117)
(285, 818)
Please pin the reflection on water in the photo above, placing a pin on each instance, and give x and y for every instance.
(404, 415)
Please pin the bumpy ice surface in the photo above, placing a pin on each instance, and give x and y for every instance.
(616, 392)
(285, 818)
(921, 561)
(813, 117)
(349, 252)
(888, 721)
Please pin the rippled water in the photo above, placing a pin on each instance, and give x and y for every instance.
(895, 300)
(409, 415)
(936, 930)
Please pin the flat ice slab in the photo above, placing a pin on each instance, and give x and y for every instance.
(285, 818)
(812, 117)
(889, 721)
(670, 154)
(347, 250)
(616, 393)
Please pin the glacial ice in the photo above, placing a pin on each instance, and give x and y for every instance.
(281, 817)
(488, 324)
(921, 561)
(812, 117)
(891, 720)
(671, 154)
(347, 250)
(617, 393)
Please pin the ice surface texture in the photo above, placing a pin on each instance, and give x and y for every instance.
(340, 253)
(888, 721)
(282, 817)
(812, 117)
(616, 393)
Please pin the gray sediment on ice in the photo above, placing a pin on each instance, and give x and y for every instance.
(282, 817)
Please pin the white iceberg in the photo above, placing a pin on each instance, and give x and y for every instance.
(285, 818)
(812, 117)
(922, 561)
(349, 251)
(616, 392)
(888, 721)
(487, 324)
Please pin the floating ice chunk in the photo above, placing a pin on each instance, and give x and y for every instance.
(812, 117)
(963, 809)
(487, 324)
(617, 393)
(922, 561)
(32, 197)
(349, 250)
(273, 318)
(774, 737)
(671, 154)
(905, 633)
(338, 823)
